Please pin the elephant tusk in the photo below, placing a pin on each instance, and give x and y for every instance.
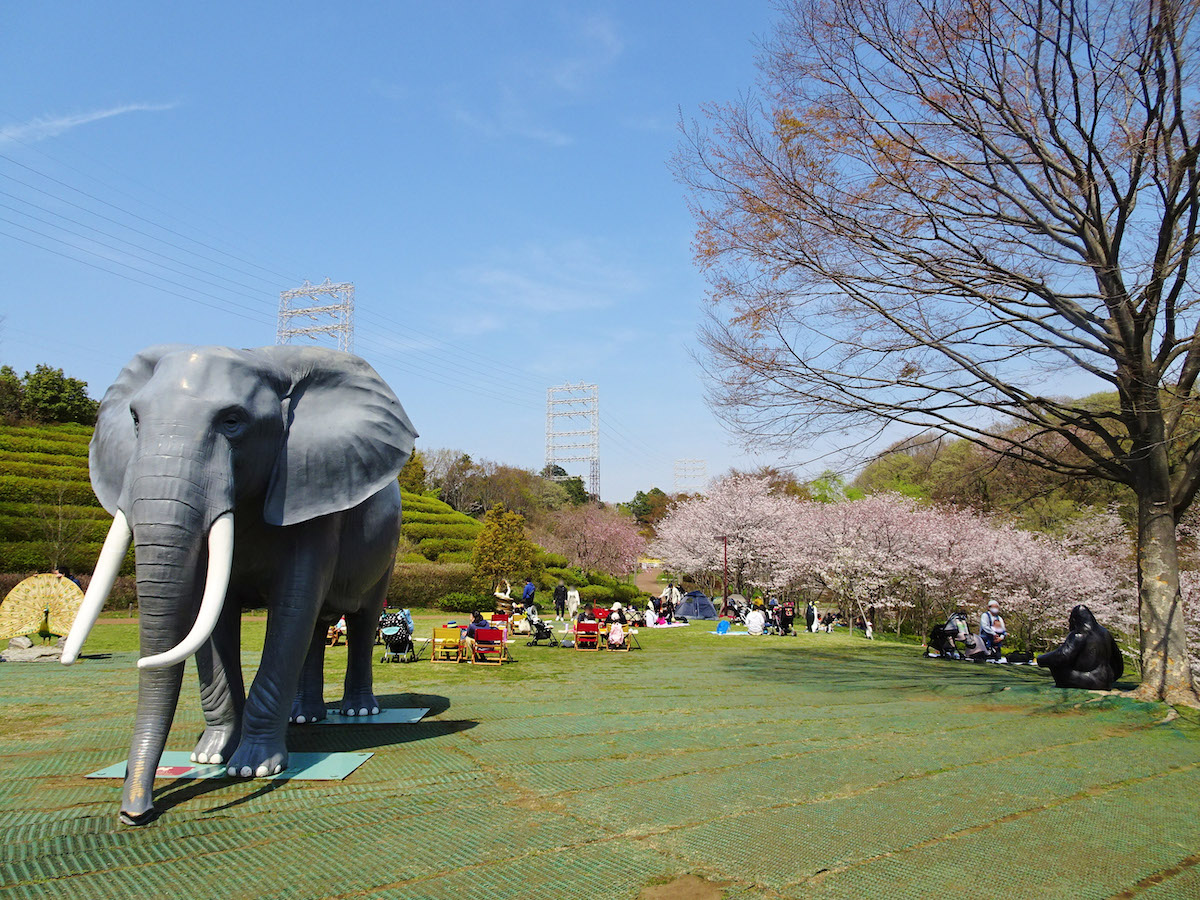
(216, 583)
(112, 554)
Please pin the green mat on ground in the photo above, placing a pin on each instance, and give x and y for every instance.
(301, 767)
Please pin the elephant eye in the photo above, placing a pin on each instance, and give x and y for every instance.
(231, 424)
(135, 421)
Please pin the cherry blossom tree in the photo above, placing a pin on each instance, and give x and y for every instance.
(596, 539)
(740, 513)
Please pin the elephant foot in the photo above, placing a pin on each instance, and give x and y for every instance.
(258, 759)
(307, 710)
(215, 745)
(359, 703)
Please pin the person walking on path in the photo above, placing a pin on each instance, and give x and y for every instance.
(560, 601)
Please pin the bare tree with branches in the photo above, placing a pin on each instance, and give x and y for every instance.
(946, 213)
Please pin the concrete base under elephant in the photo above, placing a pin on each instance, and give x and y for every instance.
(301, 767)
(383, 717)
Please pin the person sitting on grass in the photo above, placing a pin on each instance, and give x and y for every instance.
(756, 620)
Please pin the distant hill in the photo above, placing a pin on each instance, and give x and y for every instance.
(49, 514)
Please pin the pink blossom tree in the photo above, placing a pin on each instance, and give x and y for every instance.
(597, 539)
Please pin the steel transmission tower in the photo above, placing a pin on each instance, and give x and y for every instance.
(690, 473)
(573, 429)
(328, 307)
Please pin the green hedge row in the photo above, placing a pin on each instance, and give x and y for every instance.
(32, 556)
(434, 548)
(43, 459)
(49, 473)
(436, 518)
(461, 602)
(421, 584)
(29, 510)
(18, 443)
(32, 528)
(18, 489)
(419, 532)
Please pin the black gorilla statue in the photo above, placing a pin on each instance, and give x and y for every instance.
(1089, 658)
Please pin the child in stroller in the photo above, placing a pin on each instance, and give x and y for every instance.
(396, 630)
(538, 630)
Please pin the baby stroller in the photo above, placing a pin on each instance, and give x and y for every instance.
(736, 608)
(539, 630)
(397, 639)
(943, 641)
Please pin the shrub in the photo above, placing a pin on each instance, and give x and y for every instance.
(412, 557)
(455, 556)
(548, 560)
(627, 593)
(421, 584)
(596, 593)
(462, 602)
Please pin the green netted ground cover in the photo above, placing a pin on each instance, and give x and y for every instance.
(780, 767)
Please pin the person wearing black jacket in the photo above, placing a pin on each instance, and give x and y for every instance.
(560, 601)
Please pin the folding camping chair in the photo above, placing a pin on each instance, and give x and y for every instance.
(446, 644)
(587, 635)
(490, 648)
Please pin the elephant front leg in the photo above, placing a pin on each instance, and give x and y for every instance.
(291, 618)
(222, 694)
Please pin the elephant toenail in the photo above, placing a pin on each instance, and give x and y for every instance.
(278, 769)
(195, 758)
(247, 771)
(300, 720)
(200, 757)
(261, 771)
(215, 759)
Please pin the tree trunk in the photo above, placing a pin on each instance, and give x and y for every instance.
(1166, 672)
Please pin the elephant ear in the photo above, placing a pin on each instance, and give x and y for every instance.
(346, 435)
(113, 440)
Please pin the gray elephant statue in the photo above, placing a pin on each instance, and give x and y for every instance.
(245, 478)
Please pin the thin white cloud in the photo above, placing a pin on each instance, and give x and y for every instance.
(570, 276)
(44, 127)
(531, 89)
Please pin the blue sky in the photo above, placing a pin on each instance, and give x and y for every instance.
(493, 177)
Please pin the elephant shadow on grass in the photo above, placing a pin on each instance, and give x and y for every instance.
(347, 737)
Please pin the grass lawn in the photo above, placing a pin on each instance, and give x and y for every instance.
(813, 766)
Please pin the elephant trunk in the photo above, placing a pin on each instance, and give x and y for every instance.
(170, 514)
(216, 583)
